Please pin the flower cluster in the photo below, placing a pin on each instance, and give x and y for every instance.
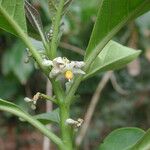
(76, 123)
(31, 102)
(62, 67)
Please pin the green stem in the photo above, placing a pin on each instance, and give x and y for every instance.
(57, 19)
(53, 48)
(45, 44)
(24, 38)
(58, 90)
(12, 108)
(65, 129)
(72, 90)
(48, 98)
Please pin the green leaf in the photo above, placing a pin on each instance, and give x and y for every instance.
(34, 17)
(122, 138)
(13, 61)
(143, 143)
(112, 16)
(53, 7)
(113, 56)
(49, 117)
(14, 109)
(35, 20)
(16, 10)
(66, 5)
(10, 107)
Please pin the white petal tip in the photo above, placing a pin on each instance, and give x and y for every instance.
(47, 63)
(26, 99)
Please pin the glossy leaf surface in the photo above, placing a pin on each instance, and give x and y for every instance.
(113, 56)
(112, 16)
(16, 10)
(121, 139)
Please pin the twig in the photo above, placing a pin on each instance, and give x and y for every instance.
(48, 97)
(49, 107)
(72, 48)
(91, 108)
(56, 22)
(116, 86)
(134, 68)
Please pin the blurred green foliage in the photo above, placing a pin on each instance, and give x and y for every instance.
(114, 110)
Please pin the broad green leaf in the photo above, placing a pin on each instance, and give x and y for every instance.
(49, 117)
(113, 56)
(16, 10)
(143, 143)
(14, 62)
(122, 138)
(113, 15)
(14, 109)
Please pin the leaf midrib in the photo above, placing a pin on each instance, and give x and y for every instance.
(105, 40)
(111, 62)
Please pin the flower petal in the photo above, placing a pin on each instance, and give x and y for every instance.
(58, 60)
(33, 106)
(26, 99)
(54, 72)
(47, 63)
(79, 64)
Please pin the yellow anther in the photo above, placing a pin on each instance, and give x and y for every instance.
(69, 74)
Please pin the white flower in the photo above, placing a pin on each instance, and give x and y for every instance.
(32, 101)
(76, 123)
(70, 121)
(62, 67)
(26, 99)
(47, 63)
(80, 122)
